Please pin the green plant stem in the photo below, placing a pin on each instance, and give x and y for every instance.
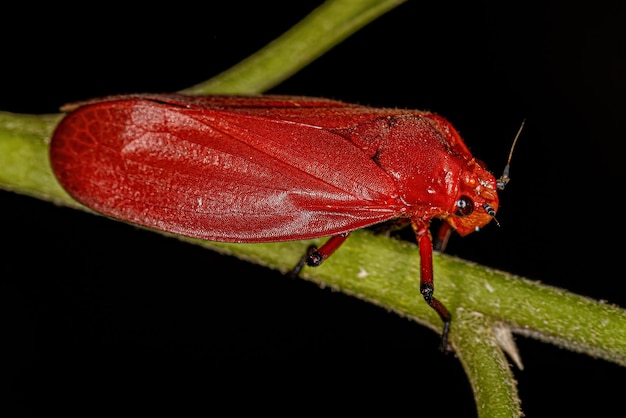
(485, 365)
(318, 32)
(25, 167)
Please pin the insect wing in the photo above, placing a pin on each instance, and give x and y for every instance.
(220, 171)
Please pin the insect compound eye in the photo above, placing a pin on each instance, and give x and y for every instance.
(464, 207)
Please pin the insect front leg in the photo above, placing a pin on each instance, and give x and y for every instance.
(316, 256)
(441, 239)
(427, 287)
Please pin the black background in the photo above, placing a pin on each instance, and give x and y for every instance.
(100, 317)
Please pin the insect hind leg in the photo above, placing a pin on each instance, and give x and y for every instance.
(316, 256)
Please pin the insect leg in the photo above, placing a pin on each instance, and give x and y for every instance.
(316, 256)
(427, 287)
(443, 235)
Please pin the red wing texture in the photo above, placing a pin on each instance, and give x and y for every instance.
(225, 169)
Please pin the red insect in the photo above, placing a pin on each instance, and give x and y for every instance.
(272, 168)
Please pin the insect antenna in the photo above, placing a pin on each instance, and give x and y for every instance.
(491, 212)
(504, 179)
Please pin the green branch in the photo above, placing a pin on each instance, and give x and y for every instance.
(487, 305)
(322, 29)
